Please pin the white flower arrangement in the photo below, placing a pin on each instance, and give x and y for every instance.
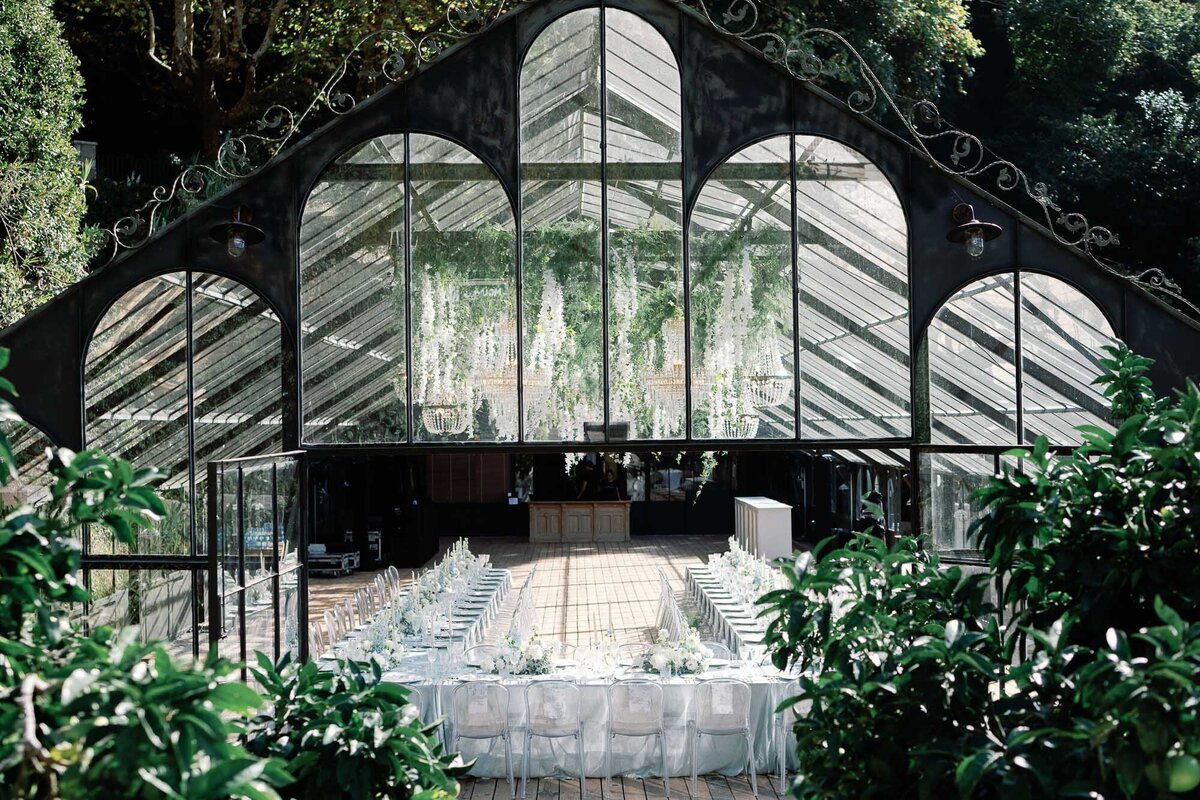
(685, 657)
(532, 657)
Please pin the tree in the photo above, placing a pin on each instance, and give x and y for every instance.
(918, 49)
(222, 64)
(1105, 107)
(43, 246)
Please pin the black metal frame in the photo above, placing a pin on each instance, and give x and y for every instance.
(731, 97)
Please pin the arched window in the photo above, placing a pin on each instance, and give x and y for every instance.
(136, 389)
(831, 210)
(601, 193)
(408, 237)
(999, 376)
(975, 362)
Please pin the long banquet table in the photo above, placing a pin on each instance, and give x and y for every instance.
(631, 755)
(741, 630)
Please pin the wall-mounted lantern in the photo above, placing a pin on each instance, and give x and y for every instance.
(238, 233)
(970, 231)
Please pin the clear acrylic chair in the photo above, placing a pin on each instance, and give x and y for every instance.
(718, 650)
(552, 711)
(381, 593)
(393, 578)
(721, 708)
(333, 624)
(635, 708)
(480, 711)
(362, 606)
(346, 610)
(316, 641)
(784, 721)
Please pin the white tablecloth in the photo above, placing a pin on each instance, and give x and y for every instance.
(631, 756)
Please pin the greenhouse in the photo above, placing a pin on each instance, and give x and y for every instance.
(610, 246)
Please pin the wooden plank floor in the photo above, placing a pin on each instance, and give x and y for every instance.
(710, 787)
(578, 588)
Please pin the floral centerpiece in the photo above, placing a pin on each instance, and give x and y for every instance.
(686, 656)
(531, 657)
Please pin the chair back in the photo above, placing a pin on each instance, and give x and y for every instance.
(552, 708)
(382, 595)
(632, 651)
(722, 706)
(347, 616)
(480, 710)
(635, 706)
(474, 656)
(718, 650)
(333, 624)
(316, 641)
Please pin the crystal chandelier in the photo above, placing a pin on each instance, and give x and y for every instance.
(767, 383)
(743, 426)
(667, 387)
(445, 419)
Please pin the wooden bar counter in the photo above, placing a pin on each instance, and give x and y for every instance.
(579, 521)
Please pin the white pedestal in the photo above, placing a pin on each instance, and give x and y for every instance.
(763, 526)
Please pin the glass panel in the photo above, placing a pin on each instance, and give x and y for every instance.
(227, 532)
(1062, 332)
(352, 300)
(972, 365)
(257, 499)
(135, 389)
(230, 645)
(287, 489)
(289, 602)
(158, 602)
(260, 619)
(852, 257)
(645, 265)
(32, 482)
(948, 483)
(743, 383)
(237, 371)
(561, 193)
(464, 297)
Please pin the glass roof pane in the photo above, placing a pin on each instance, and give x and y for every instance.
(853, 270)
(464, 297)
(352, 302)
(1062, 333)
(972, 365)
(743, 374)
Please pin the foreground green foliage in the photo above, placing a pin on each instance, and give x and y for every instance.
(1093, 688)
(901, 659)
(43, 248)
(99, 714)
(347, 734)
